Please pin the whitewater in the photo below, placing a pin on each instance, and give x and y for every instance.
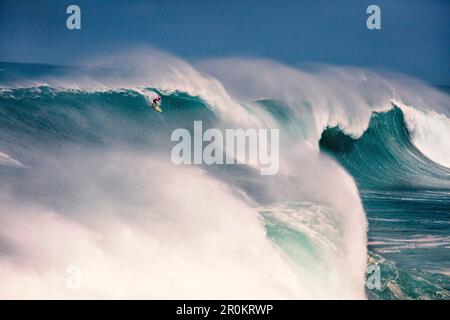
(87, 181)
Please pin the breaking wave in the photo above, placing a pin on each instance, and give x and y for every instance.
(101, 193)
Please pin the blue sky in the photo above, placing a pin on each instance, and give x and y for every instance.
(414, 39)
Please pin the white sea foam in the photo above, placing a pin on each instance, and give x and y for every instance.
(339, 96)
(139, 227)
(430, 132)
(6, 160)
(132, 236)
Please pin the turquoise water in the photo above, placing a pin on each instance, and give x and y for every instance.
(406, 196)
(407, 200)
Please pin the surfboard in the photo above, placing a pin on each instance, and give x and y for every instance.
(156, 107)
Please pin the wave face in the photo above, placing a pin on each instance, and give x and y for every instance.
(406, 197)
(384, 157)
(99, 182)
(87, 181)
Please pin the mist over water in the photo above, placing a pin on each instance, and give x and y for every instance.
(87, 178)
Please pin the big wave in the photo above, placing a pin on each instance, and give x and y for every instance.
(99, 190)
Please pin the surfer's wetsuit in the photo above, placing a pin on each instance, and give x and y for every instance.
(156, 100)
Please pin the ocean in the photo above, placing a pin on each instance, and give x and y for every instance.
(87, 181)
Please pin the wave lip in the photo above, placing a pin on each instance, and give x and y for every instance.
(386, 156)
(430, 132)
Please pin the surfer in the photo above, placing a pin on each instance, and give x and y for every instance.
(155, 101)
(155, 104)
